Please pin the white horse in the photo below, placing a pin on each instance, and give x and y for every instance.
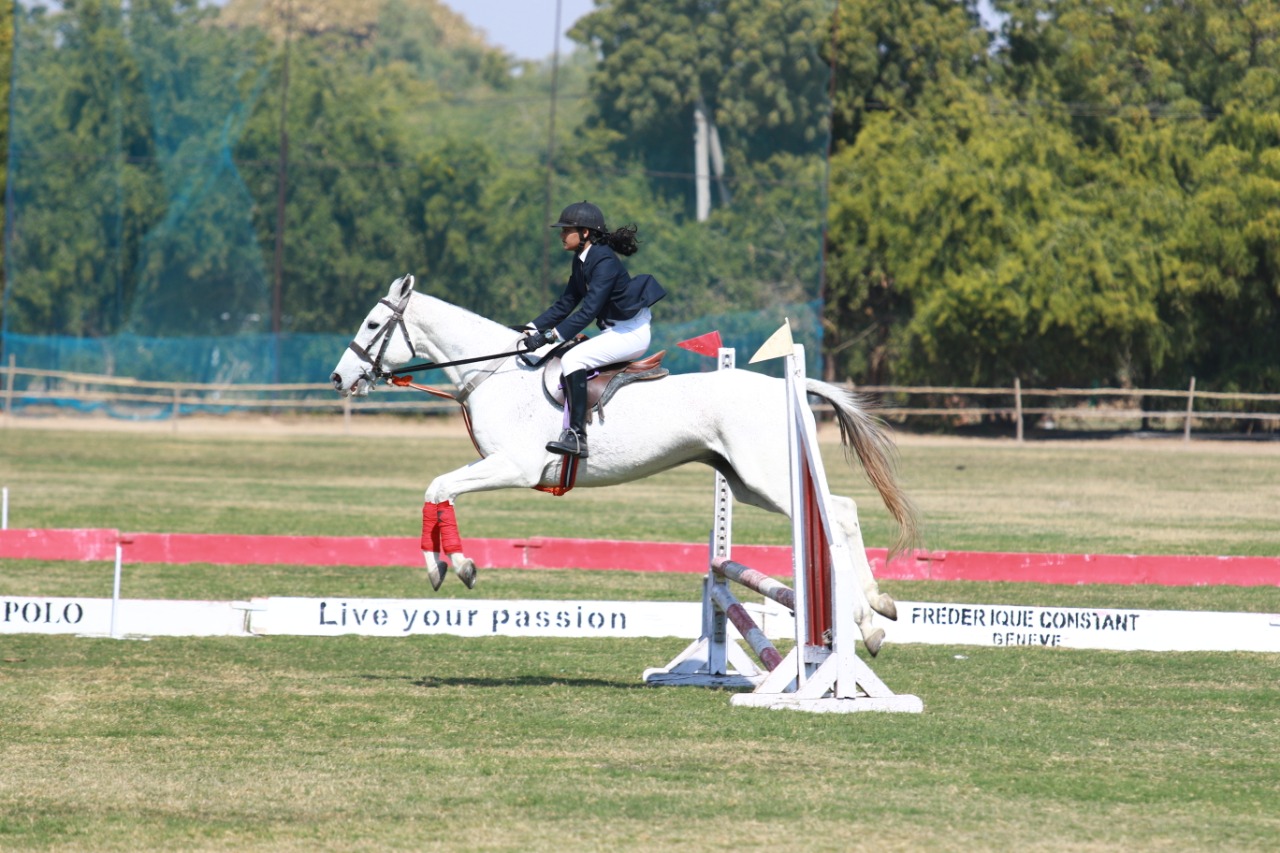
(731, 420)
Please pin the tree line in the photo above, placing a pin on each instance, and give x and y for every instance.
(1075, 193)
(1089, 195)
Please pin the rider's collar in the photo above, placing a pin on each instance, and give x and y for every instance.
(583, 256)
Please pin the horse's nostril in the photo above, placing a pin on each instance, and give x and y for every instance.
(337, 380)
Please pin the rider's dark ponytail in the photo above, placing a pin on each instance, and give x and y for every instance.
(623, 241)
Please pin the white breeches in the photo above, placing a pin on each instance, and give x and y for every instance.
(623, 342)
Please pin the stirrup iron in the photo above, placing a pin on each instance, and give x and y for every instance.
(570, 443)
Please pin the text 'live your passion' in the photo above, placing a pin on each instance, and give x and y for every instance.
(1023, 626)
(495, 620)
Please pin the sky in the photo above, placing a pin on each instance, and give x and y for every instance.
(523, 27)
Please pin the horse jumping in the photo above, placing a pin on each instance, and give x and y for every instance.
(732, 420)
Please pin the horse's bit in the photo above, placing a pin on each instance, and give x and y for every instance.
(384, 334)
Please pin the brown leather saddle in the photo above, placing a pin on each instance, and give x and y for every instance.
(607, 380)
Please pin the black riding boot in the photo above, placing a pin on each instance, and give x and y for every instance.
(573, 441)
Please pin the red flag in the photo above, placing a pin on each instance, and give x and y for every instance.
(707, 344)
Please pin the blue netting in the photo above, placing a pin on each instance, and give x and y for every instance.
(309, 359)
(182, 209)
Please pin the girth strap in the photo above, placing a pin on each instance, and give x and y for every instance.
(568, 469)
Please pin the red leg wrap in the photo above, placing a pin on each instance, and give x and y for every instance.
(449, 537)
(430, 527)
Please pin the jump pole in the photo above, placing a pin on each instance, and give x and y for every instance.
(823, 672)
(713, 660)
(741, 619)
(758, 581)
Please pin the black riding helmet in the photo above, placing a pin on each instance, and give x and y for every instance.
(583, 214)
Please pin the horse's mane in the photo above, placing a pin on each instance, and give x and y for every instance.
(459, 314)
(453, 328)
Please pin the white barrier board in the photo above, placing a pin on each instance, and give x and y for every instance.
(993, 625)
(134, 617)
(466, 617)
(1082, 628)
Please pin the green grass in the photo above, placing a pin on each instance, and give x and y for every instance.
(444, 743)
(503, 744)
(1124, 496)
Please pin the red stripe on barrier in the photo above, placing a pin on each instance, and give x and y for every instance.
(537, 553)
(1082, 568)
(274, 550)
(89, 544)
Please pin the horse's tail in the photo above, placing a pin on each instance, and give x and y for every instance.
(867, 437)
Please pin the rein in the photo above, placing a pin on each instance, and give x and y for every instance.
(396, 321)
(400, 378)
(524, 355)
(432, 365)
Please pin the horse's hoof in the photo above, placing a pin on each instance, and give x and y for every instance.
(436, 571)
(886, 607)
(874, 641)
(466, 569)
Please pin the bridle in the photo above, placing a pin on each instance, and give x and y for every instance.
(382, 339)
(384, 334)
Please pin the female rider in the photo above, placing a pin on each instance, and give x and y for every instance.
(601, 290)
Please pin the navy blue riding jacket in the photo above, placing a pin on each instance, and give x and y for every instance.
(607, 293)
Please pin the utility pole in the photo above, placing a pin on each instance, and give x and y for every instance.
(551, 156)
(701, 161)
(282, 180)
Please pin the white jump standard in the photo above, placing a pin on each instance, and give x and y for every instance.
(823, 672)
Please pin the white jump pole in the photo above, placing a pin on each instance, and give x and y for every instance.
(714, 659)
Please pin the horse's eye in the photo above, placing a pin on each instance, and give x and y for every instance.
(371, 325)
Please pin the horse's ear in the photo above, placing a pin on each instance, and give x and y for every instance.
(401, 288)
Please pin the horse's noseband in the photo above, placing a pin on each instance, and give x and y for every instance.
(396, 321)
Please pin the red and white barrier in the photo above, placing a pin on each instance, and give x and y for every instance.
(622, 555)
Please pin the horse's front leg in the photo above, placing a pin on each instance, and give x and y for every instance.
(440, 535)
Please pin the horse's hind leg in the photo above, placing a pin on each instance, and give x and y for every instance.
(764, 492)
(845, 515)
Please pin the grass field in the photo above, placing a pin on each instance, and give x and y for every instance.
(440, 743)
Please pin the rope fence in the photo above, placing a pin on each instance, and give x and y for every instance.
(37, 391)
(1081, 406)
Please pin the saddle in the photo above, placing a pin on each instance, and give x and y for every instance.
(605, 381)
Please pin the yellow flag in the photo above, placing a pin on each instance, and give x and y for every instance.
(778, 345)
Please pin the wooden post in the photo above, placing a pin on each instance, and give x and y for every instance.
(1017, 405)
(346, 415)
(177, 406)
(8, 389)
(1191, 398)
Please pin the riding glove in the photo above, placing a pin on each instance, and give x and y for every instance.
(538, 338)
